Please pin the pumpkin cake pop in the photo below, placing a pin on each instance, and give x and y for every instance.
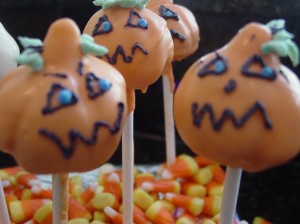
(64, 108)
(182, 25)
(239, 105)
(139, 42)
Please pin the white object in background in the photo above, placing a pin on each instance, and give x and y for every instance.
(9, 49)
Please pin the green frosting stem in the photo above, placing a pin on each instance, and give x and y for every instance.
(89, 47)
(30, 42)
(106, 4)
(282, 43)
(31, 58)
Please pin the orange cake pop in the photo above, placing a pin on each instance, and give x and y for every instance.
(182, 25)
(238, 105)
(139, 42)
(64, 109)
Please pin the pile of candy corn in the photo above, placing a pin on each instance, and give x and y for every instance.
(187, 192)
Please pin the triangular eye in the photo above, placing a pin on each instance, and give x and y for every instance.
(102, 27)
(58, 97)
(96, 86)
(216, 66)
(136, 20)
(167, 13)
(264, 72)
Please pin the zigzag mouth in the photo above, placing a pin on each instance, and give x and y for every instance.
(120, 51)
(217, 124)
(75, 135)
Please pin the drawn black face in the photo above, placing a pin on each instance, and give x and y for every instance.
(168, 14)
(218, 66)
(60, 97)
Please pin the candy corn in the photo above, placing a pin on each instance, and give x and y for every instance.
(139, 216)
(186, 219)
(212, 205)
(27, 179)
(76, 210)
(159, 214)
(203, 176)
(193, 205)
(184, 166)
(143, 177)
(202, 161)
(162, 186)
(142, 199)
(44, 214)
(260, 220)
(193, 189)
(21, 211)
(115, 217)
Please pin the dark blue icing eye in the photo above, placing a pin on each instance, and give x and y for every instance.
(216, 66)
(141, 22)
(266, 72)
(219, 66)
(103, 26)
(104, 84)
(96, 86)
(65, 96)
(57, 98)
(166, 13)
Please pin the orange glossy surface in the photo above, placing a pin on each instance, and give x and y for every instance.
(144, 70)
(24, 94)
(186, 25)
(252, 147)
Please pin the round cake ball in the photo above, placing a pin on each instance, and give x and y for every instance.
(238, 105)
(63, 110)
(182, 25)
(139, 42)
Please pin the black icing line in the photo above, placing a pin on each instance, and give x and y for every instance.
(49, 108)
(198, 114)
(256, 59)
(96, 30)
(230, 86)
(75, 136)
(163, 12)
(140, 47)
(206, 69)
(57, 75)
(176, 35)
(133, 14)
(120, 51)
(80, 68)
(90, 80)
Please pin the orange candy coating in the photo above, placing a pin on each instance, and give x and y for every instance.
(144, 69)
(185, 25)
(22, 119)
(252, 146)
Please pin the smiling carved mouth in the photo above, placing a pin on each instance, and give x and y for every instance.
(74, 135)
(120, 51)
(199, 112)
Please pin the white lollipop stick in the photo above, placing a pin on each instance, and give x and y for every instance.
(60, 198)
(169, 120)
(230, 195)
(4, 216)
(127, 163)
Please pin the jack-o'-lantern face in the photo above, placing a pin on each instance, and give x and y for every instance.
(66, 116)
(239, 106)
(182, 25)
(140, 45)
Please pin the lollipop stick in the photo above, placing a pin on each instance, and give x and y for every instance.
(127, 163)
(60, 198)
(169, 121)
(4, 216)
(230, 195)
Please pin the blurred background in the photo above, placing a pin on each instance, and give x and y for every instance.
(273, 194)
